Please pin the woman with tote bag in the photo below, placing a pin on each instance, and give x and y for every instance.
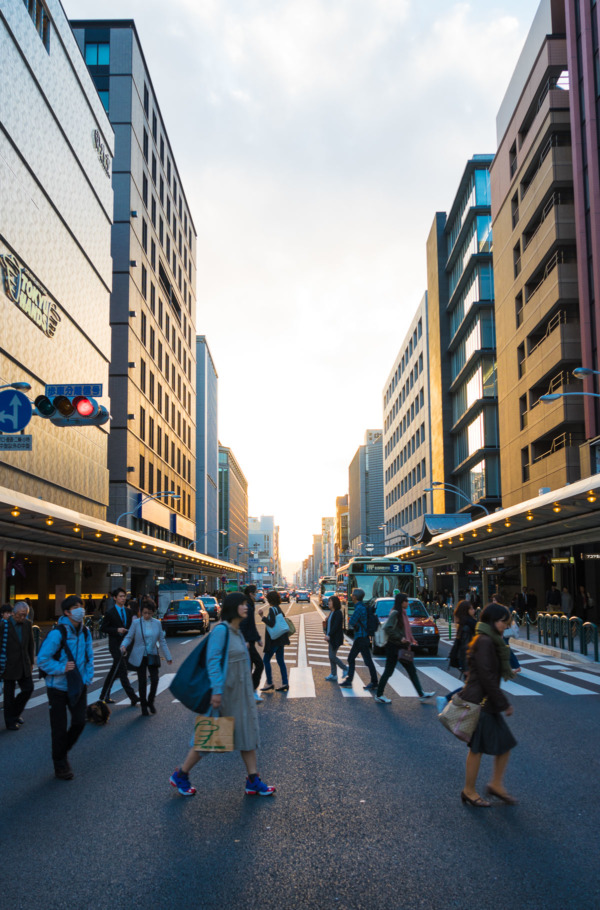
(145, 634)
(276, 638)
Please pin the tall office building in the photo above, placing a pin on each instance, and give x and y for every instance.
(328, 546)
(56, 149)
(207, 450)
(535, 268)
(462, 346)
(263, 541)
(407, 436)
(341, 529)
(317, 558)
(233, 509)
(152, 441)
(583, 54)
(365, 496)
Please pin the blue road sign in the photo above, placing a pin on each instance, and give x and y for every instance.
(87, 389)
(15, 411)
(19, 443)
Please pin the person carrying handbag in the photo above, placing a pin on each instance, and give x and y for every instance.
(145, 635)
(399, 647)
(274, 643)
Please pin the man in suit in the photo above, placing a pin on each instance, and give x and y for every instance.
(115, 624)
(520, 601)
(16, 661)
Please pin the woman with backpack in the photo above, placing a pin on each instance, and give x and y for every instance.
(274, 646)
(145, 635)
(334, 635)
(398, 647)
(228, 665)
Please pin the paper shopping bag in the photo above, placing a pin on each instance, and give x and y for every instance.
(213, 734)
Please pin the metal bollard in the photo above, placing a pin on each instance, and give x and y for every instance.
(449, 631)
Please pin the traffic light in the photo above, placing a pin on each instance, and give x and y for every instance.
(71, 410)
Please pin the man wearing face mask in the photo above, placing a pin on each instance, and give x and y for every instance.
(67, 648)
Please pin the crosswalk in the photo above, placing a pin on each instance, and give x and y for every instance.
(307, 663)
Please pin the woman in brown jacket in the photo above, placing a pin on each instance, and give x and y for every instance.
(488, 661)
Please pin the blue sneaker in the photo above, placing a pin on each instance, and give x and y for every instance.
(180, 780)
(257, 788)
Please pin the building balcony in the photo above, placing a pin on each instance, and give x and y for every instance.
(559, 286)
(561, 344)
(555, 469)
(556, 170)
(551, 417)
(557, 229)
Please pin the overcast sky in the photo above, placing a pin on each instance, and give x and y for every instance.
(316, 139)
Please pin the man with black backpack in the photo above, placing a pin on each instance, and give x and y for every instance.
(360, 622)
(66, 659)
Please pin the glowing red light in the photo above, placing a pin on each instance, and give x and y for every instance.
(84, 407)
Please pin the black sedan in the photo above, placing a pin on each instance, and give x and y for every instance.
(211, 605)
(185, 616)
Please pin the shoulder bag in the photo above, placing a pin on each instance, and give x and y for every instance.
(291, 626)
(153, 659)
(461, 717)
(279, 628)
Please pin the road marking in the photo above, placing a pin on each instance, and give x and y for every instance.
(586, 677)
(163, 683)
(558, 684)
(440, 676)
(402, 685)
(516, 688)
(357, 690)
(302, 684)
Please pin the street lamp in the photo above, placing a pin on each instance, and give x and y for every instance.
(204, 535)
(458, 492)
(147, 499)
(19, 386)
(553, 396)
(404, 533)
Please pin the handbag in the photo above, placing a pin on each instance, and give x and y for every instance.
(380, 638)
(213, 733)
(153, 659)
(279, 628)
(291, 626)
(461, 717)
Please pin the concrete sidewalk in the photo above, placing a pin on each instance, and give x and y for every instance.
(533, 646)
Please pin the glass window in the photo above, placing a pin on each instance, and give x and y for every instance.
(475, 434)
(103, 95)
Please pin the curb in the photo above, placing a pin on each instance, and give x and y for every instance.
(539, 648)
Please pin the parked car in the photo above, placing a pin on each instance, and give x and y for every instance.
(422, 624)
(302, 597)
(212, 606)
(325, 599)
(185, 616)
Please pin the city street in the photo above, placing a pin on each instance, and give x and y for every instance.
(367, 813)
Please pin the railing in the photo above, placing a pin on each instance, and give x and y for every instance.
(558, 319)
(558, 443)
(554, 200)
(552, 142)
(557, 259)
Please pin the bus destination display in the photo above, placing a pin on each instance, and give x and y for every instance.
(384, 568)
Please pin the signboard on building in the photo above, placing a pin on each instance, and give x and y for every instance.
(24, 290)
(103, 156)
(17, 443)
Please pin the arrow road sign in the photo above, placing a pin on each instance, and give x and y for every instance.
(15, 411)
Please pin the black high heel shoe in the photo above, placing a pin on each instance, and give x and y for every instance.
(479, 803)
(282, 689)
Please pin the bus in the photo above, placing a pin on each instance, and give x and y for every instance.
(327, 583)
(378, 576)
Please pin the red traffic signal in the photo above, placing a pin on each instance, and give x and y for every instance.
(71, 411)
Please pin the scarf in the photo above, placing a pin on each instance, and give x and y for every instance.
(407, 629)
(502, 649)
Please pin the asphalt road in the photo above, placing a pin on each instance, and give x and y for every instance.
(367, 813)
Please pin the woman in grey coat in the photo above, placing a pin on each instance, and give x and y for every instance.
(145, 634)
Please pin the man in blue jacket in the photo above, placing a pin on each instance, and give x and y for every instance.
(358, 622)
(59, 656)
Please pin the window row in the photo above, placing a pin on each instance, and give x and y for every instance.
(404, 392)
(410, 347)
(413, 510)
(149, 476)
(167, 408)
(168, 328)
(169, 249)
(41, 19)
(418, 473)
(153, 436)
(405, 423)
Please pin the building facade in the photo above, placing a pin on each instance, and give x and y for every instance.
(538, 320)
(407, 436)
(328, 546)
(233, 509)
(342, 544)
(365, 496)
(465, 443)
(152, 443)
(56, 205)
(207, 450)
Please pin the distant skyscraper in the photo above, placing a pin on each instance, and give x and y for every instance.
(341, 528)
(207, 450)
(365, 484)
(233, 508)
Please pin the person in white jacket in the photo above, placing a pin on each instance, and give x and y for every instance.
(146, 634)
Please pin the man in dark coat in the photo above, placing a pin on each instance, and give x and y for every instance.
(252, 637)
(115, 624)
(16, 661)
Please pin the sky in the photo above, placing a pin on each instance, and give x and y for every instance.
(315, 140)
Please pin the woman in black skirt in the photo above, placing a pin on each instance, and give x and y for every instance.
(488, 661)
